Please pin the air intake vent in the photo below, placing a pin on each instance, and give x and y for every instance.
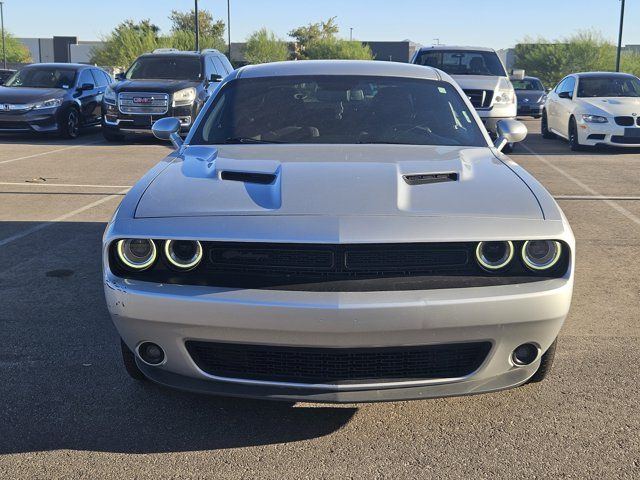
(249, 177)
(425, 178)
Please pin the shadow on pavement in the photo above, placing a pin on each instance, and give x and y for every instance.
(62, 382)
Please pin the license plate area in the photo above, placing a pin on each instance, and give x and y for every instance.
(632, 132)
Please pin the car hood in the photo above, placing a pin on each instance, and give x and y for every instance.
(614, 106)
(338, 180)
(28, 95)
(162, 86)
(477, 82)
(531, 96)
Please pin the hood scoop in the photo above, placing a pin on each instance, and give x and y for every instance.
(249, 177)
(427, 178)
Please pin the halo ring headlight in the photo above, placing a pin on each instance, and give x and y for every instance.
(494, 255)
(183, 254)
(136, 253)
(541, 254)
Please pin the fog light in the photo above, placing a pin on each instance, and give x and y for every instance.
(151, 353)
(525, 354)
(183, 254)
(494, 255)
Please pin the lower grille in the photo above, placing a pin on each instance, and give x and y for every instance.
(338, 365)
(480, 98)
(14, 126)
(625, 140)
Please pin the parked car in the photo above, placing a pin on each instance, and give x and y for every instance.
(165, 83)
(311, 242)
(531, 96)
(52, 98)
(481, 75)
(5, 74)
(594, 108)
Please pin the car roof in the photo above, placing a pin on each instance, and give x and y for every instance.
(341, 67)
(76, 66)
(601, 74)
(457, 47)
(530, 78)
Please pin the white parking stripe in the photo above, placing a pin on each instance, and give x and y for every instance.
(618, 208)
(48, 152)
(46, 184)
(61, 218)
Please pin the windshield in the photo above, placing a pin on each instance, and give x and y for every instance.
(462, 62)
(166, 68)
(609, 86)
(43, 77)
(338, 110)
(528, 84)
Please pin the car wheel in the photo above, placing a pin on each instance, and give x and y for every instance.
(545, 364)
(129, 359)
(574, 142)
(544, 127)
(112, 137)
(70, 123)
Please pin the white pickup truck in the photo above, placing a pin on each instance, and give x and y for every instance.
(481, 75)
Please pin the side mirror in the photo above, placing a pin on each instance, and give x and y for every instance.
(167, 129)
(548, 89)
(119, 76)
(509, 131)
(215, 78)
(565, 95)
(86, 87)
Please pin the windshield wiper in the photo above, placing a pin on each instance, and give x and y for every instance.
(232, 140)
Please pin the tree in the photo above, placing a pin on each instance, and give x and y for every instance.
(263, 46)
(16, 51)
(127, 41)
(334, 48)
(313, 32)
(185, 22)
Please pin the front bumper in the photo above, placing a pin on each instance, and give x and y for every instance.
(119, 122)
(506, 316)
(492, 115)
(608, 134)
(39, 121)
(530, 109)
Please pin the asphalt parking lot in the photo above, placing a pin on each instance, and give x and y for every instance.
(69, 409)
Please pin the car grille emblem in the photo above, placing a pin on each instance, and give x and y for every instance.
(5, 107)
(634, 114)
(142, 99)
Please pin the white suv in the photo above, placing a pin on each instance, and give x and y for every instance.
(481, 75)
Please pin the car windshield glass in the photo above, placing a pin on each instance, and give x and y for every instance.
(462, 62)
(166, 68)
(609, 86)
(528, 84)
(339, 110)
(43, 77)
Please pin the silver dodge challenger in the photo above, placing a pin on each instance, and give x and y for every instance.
(338, 231)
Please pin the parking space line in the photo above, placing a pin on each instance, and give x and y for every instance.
(49, 151)
(618, 208)
(61, 218)
(36, 184)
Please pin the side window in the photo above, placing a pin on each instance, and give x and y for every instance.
(107, 78)
(569, 85)
(220, 70)
(98, 78)
(208, 67)
(560, 85)
(86, 77)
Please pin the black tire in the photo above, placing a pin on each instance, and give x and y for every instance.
(545, 364)
(574, 142)
(537, 116)
(544, 127)
(111, 136)
(130, 365)
(70, 123)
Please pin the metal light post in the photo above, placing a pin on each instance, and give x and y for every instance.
(620, 37)
(351, 33)
(4, 50)
(229, 26)
(197, 28)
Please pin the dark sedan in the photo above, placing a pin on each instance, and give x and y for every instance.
(531, 96)
(52, 98)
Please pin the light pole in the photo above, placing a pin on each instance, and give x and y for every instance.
(197, 28)
(620, 37)
(229, 26)
(351, 33)
(4, 51)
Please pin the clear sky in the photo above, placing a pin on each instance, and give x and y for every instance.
(491, 23)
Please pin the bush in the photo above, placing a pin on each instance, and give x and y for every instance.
(263, 47)
(16, 51)
(333, 48)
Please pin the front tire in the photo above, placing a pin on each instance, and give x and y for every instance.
(544, 127)
(70, 123)
(130, 365)
(574, 141)
(545, 364)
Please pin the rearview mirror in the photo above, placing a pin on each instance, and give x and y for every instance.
(215, 78)
(167, 129)
(509, 131)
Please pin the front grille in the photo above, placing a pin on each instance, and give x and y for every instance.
(143, 103)
(480, 98)
(338, 365)
(625, 140)
(624, 121)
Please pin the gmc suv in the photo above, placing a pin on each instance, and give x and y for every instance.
(165, 83)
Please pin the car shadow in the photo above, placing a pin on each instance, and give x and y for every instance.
(62, 380)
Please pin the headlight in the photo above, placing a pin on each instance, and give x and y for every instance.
(185, 96)
(52, 103)
(594, 119)
(542, 99)
(505, 94)
(136, 253)
(183, 254)
(494, 255)
(541, 254)
(109, 95)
